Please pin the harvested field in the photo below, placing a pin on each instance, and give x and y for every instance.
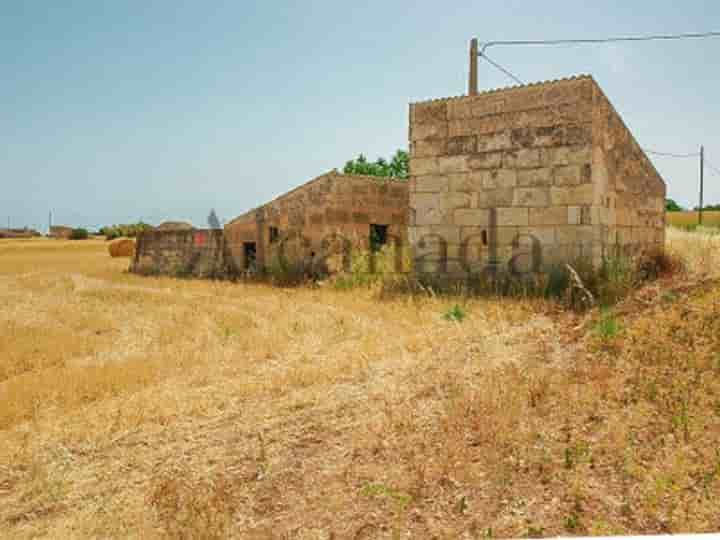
(688, 219)
(201, 409)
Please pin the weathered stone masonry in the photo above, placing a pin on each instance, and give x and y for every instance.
(522, 178)
(326, 216)
(539, 174)
(194, 252)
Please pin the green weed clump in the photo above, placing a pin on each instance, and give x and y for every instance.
(455, 314)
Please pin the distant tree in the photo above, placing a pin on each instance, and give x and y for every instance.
(124, 230)
(672, 206)
(397, 167)
(709, 207)
(79, 234)
(213, 221)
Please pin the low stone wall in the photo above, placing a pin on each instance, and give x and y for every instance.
(182, 253)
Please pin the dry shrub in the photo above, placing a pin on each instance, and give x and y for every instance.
(190, 507)
(122, 247)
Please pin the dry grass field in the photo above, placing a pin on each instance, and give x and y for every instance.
(685, 219)
(153, 407)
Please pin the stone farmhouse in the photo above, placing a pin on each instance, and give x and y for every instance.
(529, 177)
(318, 223)
(330, 215)
(518, 179)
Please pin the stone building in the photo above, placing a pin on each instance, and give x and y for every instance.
(518, 179)
(60, 231)
(527, 177)
(328, 216)
(181, 252)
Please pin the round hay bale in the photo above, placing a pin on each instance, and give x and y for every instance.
(174, 226)
(122, 247)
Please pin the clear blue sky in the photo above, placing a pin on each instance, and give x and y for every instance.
(115, 111)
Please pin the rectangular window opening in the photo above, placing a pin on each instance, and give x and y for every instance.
(274, 234)
(378, 236)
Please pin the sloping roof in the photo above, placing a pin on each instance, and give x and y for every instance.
(506, 89)
(332, 175)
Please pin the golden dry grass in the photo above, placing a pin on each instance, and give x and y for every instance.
(151, 407)
(684, 219)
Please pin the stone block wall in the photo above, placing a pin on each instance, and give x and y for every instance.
(634, 207)
(321, 218)
(512, 179)
(60, 231)
(182, 253)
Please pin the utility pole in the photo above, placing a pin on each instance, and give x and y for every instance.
(702, 181)
(473, 82)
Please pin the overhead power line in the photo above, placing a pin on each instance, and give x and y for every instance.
(547, 42)
(670, 154)
(501, 68)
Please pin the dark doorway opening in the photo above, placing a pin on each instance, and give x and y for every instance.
(378, 236)
(250, 255)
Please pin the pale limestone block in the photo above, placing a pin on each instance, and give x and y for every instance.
(452, 164)
(551, 215)
(505, 236)
(423, 166)
(577, 234)
(467, 182)
(428, 111)
(459, 109)
(545, 235)
(430, 184)
(490, 160)
(488, 106)
(584, 194)
(420, 132)
(512, 216)
(504, 178)
(581, 155)
(428, 148)
(573, 215)
(428, 209)
(531, 197)
(453, 200)
(567, 175)
(596, 215)
(534, 177)
(461, 145)
(415, 233)
(450, 233)
(472, 217)
(555, 156)
(494, 142)
(526, 158)
(495, 197)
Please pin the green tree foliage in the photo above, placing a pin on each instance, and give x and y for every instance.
(79, 234)
(127, 230)
(397, 167)
(672, 206)
(709, 207)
